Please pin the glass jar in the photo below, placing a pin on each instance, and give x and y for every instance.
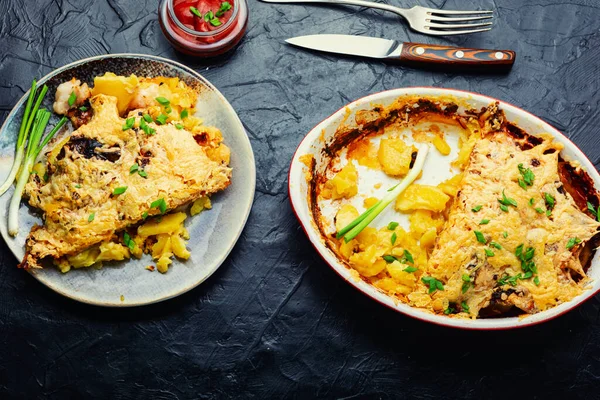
(214, 40)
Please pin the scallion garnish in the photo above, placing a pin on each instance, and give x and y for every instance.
(507, 201)
(572, 242)
(91, 217)
(134, 168)
(195, 11)
(476, 208)
(128, 241)
(178, 126)
(392, 225)
(142, 173)
(161, 119)
(467, 282)
(72, 99)
(393, 238)
(119, 190)
(183, 114)
(129, 122)
(489, 253)
(480, 237)
(161, 204)
(484, 222)
(163, 101)
(147, 118)
(593, 210)
(527, 177)
(29, 146)
(410, 269)
(355, 227)
(433, 283)
(146, 128)
(83, 108)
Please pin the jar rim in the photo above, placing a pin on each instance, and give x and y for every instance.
(171, 10)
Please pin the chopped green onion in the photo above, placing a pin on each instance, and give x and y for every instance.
(146, 128)
(505, 234)
(484, 222)
(161, 119)
(480, 237)
(215, 22)
(144, 215)
(355, 227)
(507, 201)
(178, 126)
(407, 257)
(119, 190)
(489, 252)
(91, 217)
(161, 204)
(550, 201)
(503, 208)
(464, 306)
(195, 11)
(527, 175)
(128, 241)
(389, 259)
(72, 99)
(134, 168)
(572, 242)
(393, 239)
(531, 201)
(594, 211)
(476, 208)
(539, 210)
(467, 282)
(129, 122)
(433, 283)
(142, 173)
(163, 101)
(410, 269)
(83, 108)
(183, 114)
(392, 225)
(496, 245)
(208, 16)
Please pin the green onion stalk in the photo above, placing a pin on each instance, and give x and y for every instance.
(355, 227)
(29, 146)
(28, 117)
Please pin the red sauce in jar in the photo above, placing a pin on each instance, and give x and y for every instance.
(203, 27)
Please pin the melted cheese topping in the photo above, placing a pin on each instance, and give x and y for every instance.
(493, 168)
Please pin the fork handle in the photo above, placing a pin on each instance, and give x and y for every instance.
(457, 56)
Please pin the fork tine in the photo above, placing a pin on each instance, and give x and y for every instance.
(435, 18)
(452, 26)
(447, 33)
(451, 12)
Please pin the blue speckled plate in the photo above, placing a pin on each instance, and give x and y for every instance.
(213, 233)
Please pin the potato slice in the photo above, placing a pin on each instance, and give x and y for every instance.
(343, 185)
(422, 197)
(123, 88)
(395, 156)
(346, 214)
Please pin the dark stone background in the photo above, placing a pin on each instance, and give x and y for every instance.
(274, 321)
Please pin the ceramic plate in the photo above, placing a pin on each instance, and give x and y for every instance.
(437, 168)
(213, 233)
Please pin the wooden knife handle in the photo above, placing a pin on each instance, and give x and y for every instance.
(456, 56)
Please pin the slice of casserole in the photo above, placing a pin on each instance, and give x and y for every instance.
(91, 193)
(515, 234)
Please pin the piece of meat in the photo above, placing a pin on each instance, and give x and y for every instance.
(95, 161)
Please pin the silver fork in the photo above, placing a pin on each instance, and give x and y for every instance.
(430, 21)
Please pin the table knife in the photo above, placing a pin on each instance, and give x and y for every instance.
(386, 49)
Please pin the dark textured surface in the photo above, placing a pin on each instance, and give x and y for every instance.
(274, 321)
